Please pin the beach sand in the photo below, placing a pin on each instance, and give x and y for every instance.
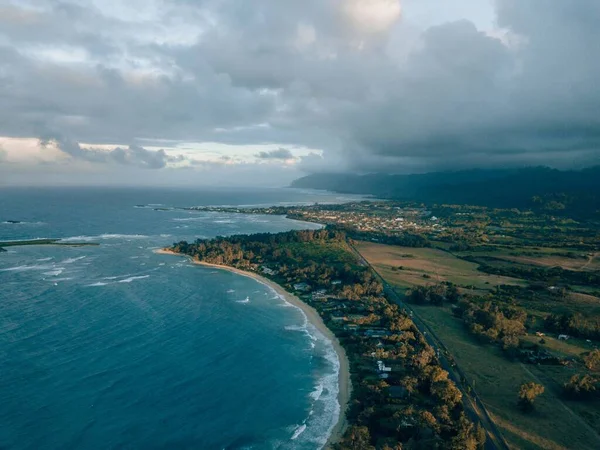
(314, 318)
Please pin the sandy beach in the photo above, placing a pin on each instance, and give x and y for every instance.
(314, 318)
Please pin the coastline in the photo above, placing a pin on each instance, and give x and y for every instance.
(345, 387)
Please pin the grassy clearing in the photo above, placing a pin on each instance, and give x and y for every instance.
(437, 265)
(497, 381)
(334, 253)
(590, 263)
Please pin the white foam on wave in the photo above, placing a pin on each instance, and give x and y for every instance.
(130, 279)
(246, 300)
(98, 284)
(325, 411)
(230, 291)
(188, 219)
(44, 259)
(299, 430)
(104, 236)
(72, 260)
(316, 394)
(29, 268)
(117, 277)
(54, 273)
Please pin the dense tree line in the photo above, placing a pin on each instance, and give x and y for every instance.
(574, 324)
(494, 322)
(436, 294)
(583, 387)
(404, 239)
(534, 273)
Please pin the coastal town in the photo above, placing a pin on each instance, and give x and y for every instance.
(378, 217)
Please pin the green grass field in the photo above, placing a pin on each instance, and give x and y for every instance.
(556, 423)
(437, 265)
(497, 381)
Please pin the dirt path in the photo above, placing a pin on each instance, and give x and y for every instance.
(589, 261)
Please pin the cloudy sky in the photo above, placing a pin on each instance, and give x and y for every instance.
(264, 91)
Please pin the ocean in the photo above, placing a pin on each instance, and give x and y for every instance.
(116, 347)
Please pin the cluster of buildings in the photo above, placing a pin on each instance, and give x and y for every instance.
(355, 320)
(374, 219)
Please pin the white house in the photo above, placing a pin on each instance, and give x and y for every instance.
(563, 337)
(301, 287)
(381, 367)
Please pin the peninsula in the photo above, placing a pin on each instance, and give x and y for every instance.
(400, 393)
(21, 243)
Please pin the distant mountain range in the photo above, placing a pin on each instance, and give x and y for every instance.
(576, 192)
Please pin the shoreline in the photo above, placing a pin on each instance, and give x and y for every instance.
(344, 384)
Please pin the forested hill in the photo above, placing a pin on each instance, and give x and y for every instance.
(535, 187)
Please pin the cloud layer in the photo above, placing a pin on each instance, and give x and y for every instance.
(358, 79)
(133, 155)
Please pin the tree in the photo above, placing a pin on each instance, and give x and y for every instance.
(410, 384)
(447, 392)
(592, 360)
(452, 293)
(582, 387)
(468, 436)
(357, 438)
(527, 395)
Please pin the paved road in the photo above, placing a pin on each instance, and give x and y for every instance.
(471, 402)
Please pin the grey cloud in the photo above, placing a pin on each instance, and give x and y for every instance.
(280, 153)
(386, 97)
(131, 156)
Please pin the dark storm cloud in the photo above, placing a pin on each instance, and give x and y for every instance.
(344, 76)
(280, 153)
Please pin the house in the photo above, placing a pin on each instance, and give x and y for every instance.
(301, 287)
(268, 271)
(356, 317)
(336, 282)
(539, 333)
(376, 333)
(320, 294)
(381, 367)
(563, 337)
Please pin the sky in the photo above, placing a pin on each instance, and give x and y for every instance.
(236, 92)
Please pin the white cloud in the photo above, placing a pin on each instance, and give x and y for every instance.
(372, 16)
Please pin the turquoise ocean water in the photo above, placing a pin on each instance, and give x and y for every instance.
(115, 347)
